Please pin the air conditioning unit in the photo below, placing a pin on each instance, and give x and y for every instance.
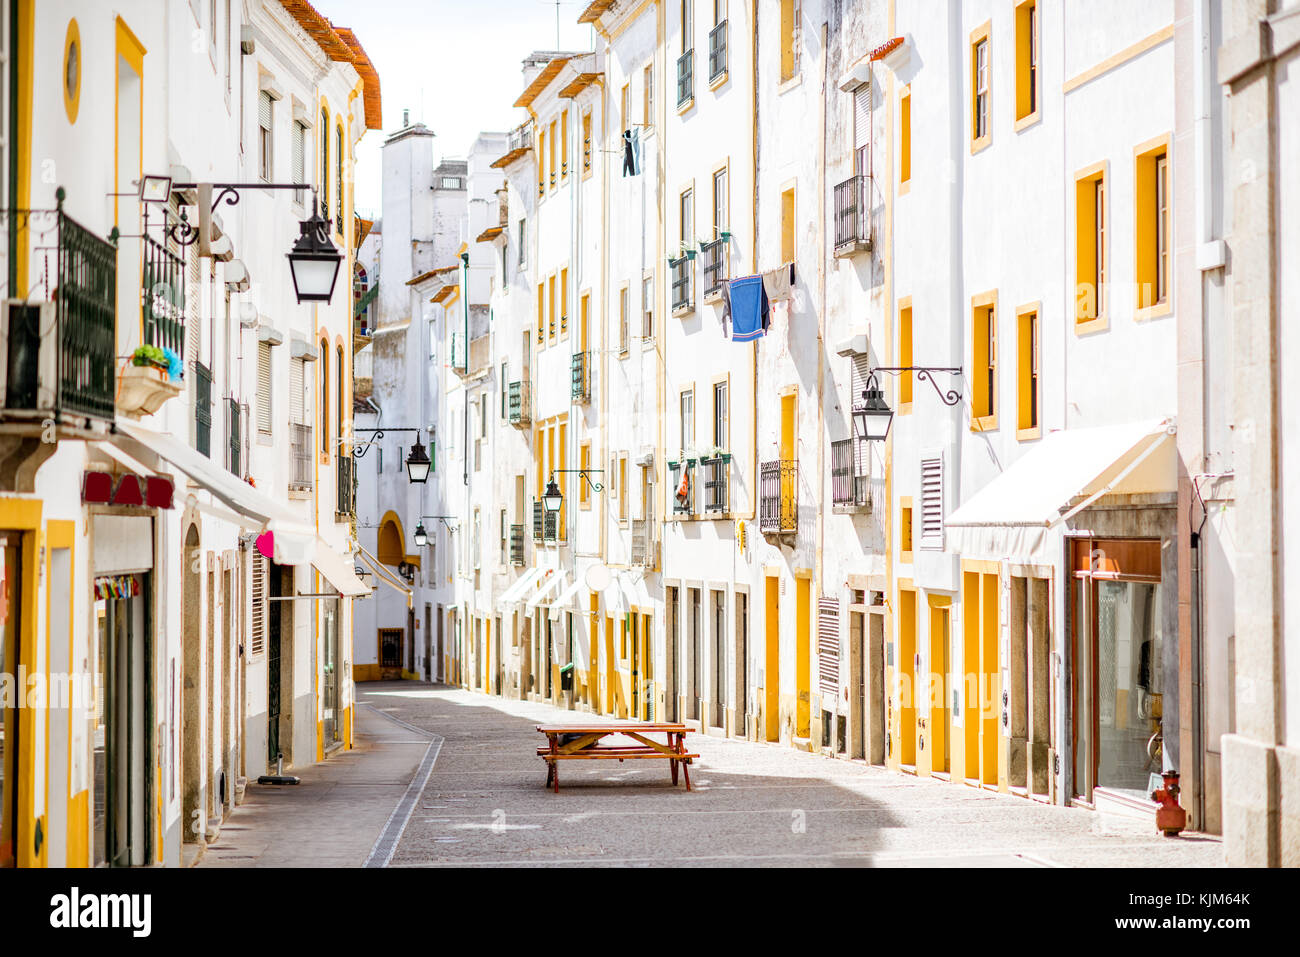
(29, 350)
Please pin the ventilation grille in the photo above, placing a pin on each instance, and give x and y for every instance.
(828, 646)
(932, 502)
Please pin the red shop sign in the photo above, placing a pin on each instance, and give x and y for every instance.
(103, 488)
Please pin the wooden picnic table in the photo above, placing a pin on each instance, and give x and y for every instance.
(586, 746)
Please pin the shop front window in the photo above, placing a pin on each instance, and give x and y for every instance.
(1118, 657)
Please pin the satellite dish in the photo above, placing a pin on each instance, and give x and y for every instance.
(598, 577)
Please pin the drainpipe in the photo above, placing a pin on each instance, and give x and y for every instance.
(1203, 72)
(818, 561)
(464, 258)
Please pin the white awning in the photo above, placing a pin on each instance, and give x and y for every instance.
(338, 571)
(294, 539)
(229, 488)
(1012, 515)
(570, 593)
(386, 576)
(549, 584)
(638, 596)
(615, 597)
(515, 592)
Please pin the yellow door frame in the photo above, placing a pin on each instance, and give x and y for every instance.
(23, 515)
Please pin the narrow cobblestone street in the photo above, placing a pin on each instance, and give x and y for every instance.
(754, 804)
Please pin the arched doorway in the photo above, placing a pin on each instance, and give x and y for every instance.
(193, 819)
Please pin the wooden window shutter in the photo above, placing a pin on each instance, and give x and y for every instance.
(264, 387)
(932, 502)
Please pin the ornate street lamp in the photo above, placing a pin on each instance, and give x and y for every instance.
(314, 263)
(873, 416)
(552, 499)
(418, 464)
(421, 536)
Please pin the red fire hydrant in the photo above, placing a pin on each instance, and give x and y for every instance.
(1170, 817)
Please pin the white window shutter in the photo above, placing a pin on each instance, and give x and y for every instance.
(297, 391)
(862, 116)
(828, 646)
(264, 387)
(258, 643)
(299, 152)
(932, 502)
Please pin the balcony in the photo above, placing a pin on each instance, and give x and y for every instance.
(519, 404)
(679, 272)
(717, 484)
(73, 370)
(345, 503)
(144, 388)
(581, 371)
(685, 78)
(683, 506)
(546, 525)
(717, 51)
(643, 543)
(853, 216)
(300, 473)
(516, 545)
(850, 491)
(518, 143)
(778, 498)
(712, 262)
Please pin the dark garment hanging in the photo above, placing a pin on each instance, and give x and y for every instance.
(631, 152)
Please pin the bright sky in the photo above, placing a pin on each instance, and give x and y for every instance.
(454, 64)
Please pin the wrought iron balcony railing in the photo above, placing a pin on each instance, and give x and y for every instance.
(581, 372)
(680, 283)
(516, 544)
(685, 78)
(717, 484)
(849, 479)
(712, 261)
(300, 475)
(853, 215)
(778, 497)
(546, 525)
(163, 289)
(65, 362)
(718, 51)
(518, 404)
(682, 504)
